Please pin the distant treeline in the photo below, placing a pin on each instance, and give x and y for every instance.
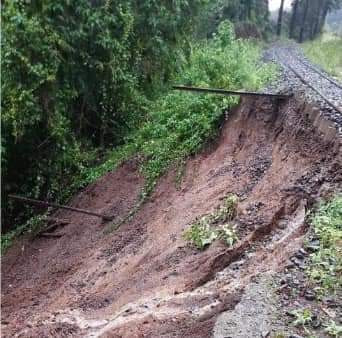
(307, 18)
(334, 22)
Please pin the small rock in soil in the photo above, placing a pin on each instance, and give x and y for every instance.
(316, 324)
(309, 295)
(298, 263)
(283, 281)
(265, 334)
(289, 313)
(289, 265)
(299, 255)
(303, 251)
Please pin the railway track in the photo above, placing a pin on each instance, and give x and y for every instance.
(316, 70)
(329, 90)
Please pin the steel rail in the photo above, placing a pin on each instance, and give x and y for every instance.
(229, 92)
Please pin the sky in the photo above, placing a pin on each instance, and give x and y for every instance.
(274, 4)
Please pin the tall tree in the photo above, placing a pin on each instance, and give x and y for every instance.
(302, 28)
(293, 18)
(315, 27)
(308, 17)
(280, 17)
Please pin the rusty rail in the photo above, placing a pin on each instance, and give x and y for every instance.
(230, 92)
(58, 206)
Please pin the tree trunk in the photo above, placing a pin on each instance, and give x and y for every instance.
(324, 16)
(280, 17)
(250, 6)
(293, 18)
(317, 19)
(302, 29)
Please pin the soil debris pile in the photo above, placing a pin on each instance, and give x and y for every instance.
(145, 279)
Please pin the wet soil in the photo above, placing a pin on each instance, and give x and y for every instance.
(143, 279)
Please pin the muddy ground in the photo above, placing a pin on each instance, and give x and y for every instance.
(143, 279)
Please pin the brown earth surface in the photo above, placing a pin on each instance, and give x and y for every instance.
(143, 279)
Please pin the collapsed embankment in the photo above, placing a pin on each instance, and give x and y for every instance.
(143, 279)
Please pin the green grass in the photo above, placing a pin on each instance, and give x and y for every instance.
(326, 52)
(325, 270)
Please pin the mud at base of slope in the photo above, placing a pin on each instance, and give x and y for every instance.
(143, 279)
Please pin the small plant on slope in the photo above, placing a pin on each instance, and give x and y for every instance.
(302, 317)
(228, 234)
(200, 235)
(214, 226)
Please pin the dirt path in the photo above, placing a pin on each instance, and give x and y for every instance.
(144, 280)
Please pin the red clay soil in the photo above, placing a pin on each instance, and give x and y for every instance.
(143, 279)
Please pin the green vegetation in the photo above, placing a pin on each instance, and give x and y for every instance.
(77, 77)
(302, 317)
(32, 226)
(325, 270)
(326, 52)
(249, 16)
(333, 329)
(178, 124)
(86, 86)
(217, 225)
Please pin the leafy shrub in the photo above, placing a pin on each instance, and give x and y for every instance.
(200, 235)
(227, 211)
(213, 226)
(227, 233)
(333, 329)
(302, 317)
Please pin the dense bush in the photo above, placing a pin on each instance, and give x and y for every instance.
(72, 79)
(81, 86)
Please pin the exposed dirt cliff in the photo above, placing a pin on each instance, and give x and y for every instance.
(143, 279)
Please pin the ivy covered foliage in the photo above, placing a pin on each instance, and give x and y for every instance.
(86, 86)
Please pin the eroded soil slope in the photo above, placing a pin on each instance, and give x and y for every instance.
(143, 279)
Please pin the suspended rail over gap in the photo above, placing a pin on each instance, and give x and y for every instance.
(231, 92)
